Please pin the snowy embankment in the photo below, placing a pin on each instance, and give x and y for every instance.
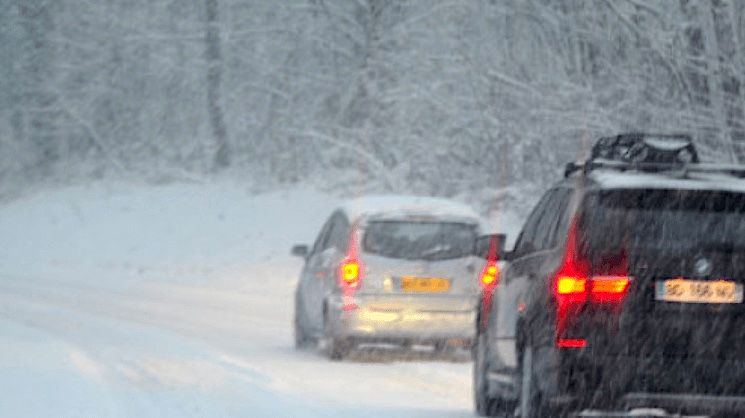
(133, 300)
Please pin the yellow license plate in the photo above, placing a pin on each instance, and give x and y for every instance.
(698, 291)
(424, 284)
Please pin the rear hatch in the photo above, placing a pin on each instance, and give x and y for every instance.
(685, 250)
(420, 262)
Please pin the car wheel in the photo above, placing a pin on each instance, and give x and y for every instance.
(302, 338)
(532, 403)
(337, 348)
(482, 401)
(445, 351)
(485, 405)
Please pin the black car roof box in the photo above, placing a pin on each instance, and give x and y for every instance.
(641, 152)
(646, 148)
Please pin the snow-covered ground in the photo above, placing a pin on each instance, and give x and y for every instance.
(135, 300)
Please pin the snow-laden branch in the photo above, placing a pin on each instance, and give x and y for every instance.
(642, 35)
(354, 149)
(102, 146)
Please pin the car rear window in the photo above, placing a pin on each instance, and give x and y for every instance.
(664, 219)
(419, 240)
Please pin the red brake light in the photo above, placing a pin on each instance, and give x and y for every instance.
(609, 288)
(351, 268)
(571, 343)
(489, 279)
(350, 272)
(566, 285)
(576, 285)
(490, 274)
(570, 283)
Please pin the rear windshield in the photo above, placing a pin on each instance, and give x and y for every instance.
(420, 240)
(665, 219)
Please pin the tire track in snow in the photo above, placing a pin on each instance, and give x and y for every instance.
(268, 360)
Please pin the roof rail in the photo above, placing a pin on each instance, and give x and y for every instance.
(679, 169)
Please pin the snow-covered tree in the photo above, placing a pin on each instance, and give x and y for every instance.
(433, 97)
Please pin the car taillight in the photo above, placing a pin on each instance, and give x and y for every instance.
(350, 273)
(571, 343)
(351, 269)
(575, 286)
(567, 285)
(608, 289)
(570, 280)
(490, 274)
(602, 289)
(488, 280)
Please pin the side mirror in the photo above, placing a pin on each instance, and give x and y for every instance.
(300, 250)
(491, 246)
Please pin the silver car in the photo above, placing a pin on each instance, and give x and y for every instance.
(390, 269)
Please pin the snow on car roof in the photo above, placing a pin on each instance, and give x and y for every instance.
(401, 206)
(693, 181)
(667, 144)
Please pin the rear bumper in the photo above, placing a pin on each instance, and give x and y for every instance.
(678, 385)
(425, 318)
(690, 403)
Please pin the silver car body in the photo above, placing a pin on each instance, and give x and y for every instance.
(380, 310)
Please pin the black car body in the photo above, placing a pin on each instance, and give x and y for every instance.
(625, 289)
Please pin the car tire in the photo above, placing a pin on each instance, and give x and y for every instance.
(445, 351)
(336, 348)
(485, 405)
(532, 403)
(302, 338)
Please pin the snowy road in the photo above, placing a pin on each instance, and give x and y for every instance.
(177, 301)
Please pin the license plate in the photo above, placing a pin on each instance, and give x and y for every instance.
(424, 284)
(698, 291)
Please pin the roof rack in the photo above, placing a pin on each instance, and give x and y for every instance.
(680, 170)
(649, 153)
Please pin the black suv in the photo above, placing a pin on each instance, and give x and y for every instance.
(624, 290)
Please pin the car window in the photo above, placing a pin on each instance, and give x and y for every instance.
(526, 242)
(320, 243)
(674, 220)
(546, 224)
(557, 208)
(420, 240)
(339, 233)
(562, 202)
